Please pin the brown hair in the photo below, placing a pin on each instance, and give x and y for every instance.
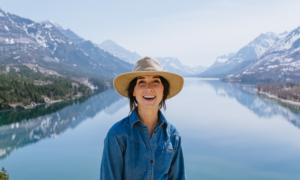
(133, 103)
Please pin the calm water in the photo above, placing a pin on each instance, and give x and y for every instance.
(228, 132)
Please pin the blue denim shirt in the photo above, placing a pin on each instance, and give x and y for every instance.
(130, 154)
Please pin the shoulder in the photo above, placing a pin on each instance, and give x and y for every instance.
(120, 128)
(172, 130)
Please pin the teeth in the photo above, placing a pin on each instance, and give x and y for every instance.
(148, 97)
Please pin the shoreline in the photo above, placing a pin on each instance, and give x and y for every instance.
(17, 106)
(275, 97)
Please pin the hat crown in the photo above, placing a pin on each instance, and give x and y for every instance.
(147, 64)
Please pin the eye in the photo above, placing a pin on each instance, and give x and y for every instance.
(140, 82)
(156, 81)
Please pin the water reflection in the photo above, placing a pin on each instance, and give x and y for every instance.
(22, 128)
(260, 104)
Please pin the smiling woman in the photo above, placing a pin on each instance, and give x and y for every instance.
(144, 145)
(140, 82)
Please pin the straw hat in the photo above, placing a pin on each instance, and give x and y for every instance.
(148, 66)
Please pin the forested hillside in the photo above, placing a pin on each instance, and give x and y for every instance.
(23, 86)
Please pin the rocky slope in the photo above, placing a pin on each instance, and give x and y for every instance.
(279, 63)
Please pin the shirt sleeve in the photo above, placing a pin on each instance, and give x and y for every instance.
(177, 170)
(112, 165)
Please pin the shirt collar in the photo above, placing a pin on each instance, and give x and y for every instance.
(134, 117)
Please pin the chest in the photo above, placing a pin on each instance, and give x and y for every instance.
(147, 158)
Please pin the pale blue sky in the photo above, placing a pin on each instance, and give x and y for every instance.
(194, 31)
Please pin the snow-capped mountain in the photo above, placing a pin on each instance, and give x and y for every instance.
(25, 41)
(280, 63)
(234, 62)
(174, 65)
(104, 58)
(66, 32)
(120, 52)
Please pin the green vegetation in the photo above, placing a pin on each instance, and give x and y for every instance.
(98, 83)
(18, 86)
(4, 175)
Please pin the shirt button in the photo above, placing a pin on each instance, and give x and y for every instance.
(154, 131)
(151, 161)
(150, 177)
(146, 132)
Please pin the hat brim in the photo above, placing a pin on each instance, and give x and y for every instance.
(122, 81)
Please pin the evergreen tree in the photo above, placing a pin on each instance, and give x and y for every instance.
(4, 175)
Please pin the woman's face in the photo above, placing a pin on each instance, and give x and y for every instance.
(148, 91)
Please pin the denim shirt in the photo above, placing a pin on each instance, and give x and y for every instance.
(130, 154)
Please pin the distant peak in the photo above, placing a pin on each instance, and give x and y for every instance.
(108, 42)
(283, 33)
(51, 23)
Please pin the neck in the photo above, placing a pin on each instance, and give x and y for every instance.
(149, 117)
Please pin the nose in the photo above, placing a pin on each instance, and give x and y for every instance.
(149, 87)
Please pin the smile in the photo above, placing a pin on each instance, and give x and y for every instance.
(149, 97)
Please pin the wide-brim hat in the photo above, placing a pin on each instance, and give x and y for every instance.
(148, 66)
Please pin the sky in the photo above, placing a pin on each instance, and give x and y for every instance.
(194, 31)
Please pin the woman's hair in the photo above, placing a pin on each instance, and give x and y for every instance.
(133, 102)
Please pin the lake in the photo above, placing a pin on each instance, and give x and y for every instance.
(228, 131)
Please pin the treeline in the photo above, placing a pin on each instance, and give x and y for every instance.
(19, 87)
(288, 91)
(97, 82)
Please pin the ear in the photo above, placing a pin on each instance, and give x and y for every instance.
(133, 94)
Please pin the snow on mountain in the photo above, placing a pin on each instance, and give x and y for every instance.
(25, 41)
(174, 65)
(120, 52)
(280, 63)
(66, 32)
(233, 62)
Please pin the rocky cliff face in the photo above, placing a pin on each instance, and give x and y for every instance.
(279, 63)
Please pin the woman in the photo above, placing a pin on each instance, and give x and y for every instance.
(144, 145)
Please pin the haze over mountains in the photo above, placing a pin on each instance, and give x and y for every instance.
(227, 63)
(269, 57)
(169, 64)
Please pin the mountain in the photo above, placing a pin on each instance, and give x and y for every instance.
(120, 52)
(25, 41)
(280, 63)
(231, 63)
(174, 65)
(66, 32)
(169, 64)
(105, 59)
